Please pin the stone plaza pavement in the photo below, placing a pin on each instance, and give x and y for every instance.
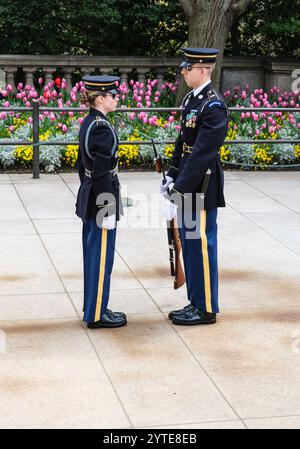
(243, 372)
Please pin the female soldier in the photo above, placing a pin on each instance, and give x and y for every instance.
(98, 200)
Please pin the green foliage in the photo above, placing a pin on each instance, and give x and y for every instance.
(106, 27)
(267, 28)
(139, 27)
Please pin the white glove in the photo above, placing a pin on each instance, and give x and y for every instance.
(169, 210)
(164, 187)
(109, 222)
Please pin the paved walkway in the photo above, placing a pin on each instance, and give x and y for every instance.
(243, 372)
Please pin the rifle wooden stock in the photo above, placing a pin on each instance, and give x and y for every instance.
(158, 164)
(173, 235)
(179, 279)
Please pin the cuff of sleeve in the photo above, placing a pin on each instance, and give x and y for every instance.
(173, 172)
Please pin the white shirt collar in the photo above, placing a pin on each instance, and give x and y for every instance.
(198, 90)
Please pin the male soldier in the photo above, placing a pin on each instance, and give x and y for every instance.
(194, 163)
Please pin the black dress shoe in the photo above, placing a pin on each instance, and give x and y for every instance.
(193, 317)
(116, 314)
(187, 308)
(108, 320)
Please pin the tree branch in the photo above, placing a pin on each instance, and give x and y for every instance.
(238, 7)
(187, 8)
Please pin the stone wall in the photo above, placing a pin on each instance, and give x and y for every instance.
(255, 71)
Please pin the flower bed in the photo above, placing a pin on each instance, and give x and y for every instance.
(64, 126)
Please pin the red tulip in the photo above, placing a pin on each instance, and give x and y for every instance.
(57, 82)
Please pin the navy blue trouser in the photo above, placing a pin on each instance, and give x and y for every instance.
(201, 261)
(98, 258)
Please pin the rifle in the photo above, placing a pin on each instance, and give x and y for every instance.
(172, 233)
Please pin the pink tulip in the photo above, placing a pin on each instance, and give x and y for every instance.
(145, 120)
(263, 126)
(64, 128)
(30, 120)
(131, 82)
(177, 127)
(2, 115)
(132, 115)
(80, 120)
(40, 80)
(148, 104)
(298, 125)
(4, 93)
(27, 104)
(6, 104)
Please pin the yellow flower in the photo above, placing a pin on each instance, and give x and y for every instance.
(128, 154)
(262, 156)
(297, 151)
(169, 151)
(24, 154)
(71, 154)
(224, 153)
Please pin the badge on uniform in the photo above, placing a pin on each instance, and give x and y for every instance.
(191, 119)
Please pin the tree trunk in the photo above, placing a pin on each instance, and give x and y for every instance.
(235, 39)
(209, 23)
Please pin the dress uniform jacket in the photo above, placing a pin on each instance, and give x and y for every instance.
(203, 130)
(97, 164)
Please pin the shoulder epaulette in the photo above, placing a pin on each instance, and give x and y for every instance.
(213, 100)
(212, 95)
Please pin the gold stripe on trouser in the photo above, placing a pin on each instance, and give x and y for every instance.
(101, 273)
(205, 261)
